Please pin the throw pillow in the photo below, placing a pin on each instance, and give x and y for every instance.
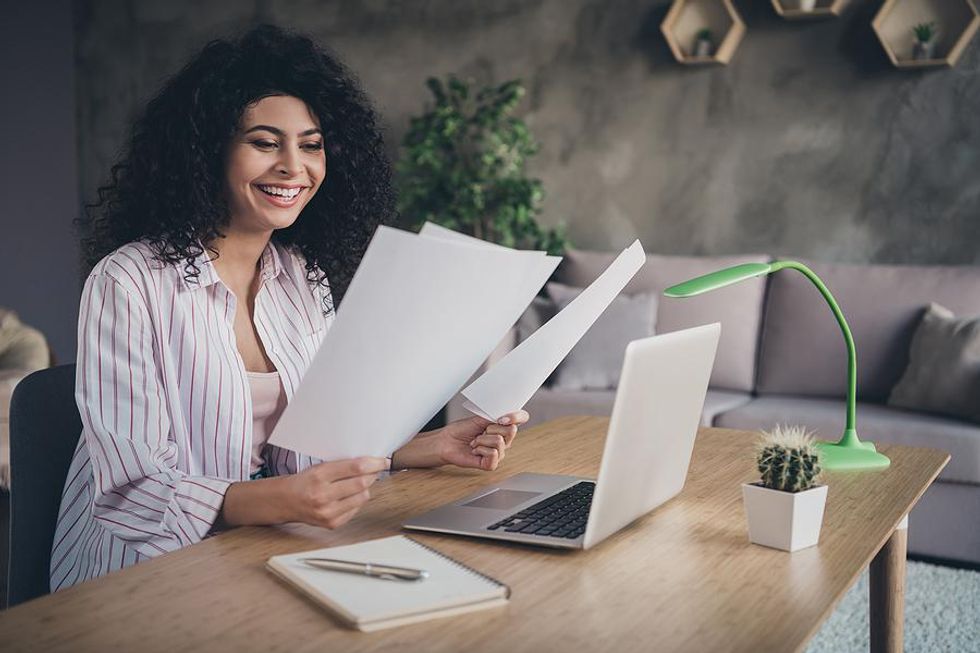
(596, 360)
(943, 374)
(540, 311)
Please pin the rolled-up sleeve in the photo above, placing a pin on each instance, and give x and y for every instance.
(140, 496)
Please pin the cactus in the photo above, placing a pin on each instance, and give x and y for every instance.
(788, 459)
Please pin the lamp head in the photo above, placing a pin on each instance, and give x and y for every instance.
(719, 279)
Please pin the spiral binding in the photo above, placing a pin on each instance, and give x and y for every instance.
(461, 565)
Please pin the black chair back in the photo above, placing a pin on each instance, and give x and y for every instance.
(44, 431)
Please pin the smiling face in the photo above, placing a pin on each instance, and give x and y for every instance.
(275, 164)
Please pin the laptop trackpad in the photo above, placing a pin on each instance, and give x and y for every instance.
(501, 499)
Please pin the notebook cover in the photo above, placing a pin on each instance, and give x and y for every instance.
(368, 603)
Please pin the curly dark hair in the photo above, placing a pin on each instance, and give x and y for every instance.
(168, 188)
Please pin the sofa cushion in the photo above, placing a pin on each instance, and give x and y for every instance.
(943, 523)
(943, 375)
(803, 351)
(596, 360)
(875, 423)
(738, 307)
(548, 404)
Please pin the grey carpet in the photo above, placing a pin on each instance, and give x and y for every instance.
(942, 613)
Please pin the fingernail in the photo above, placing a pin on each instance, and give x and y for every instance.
(504, 420)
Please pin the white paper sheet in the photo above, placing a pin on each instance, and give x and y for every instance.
(509, 384)
(419, 317)
(433, 230)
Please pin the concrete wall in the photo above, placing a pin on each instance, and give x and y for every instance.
(808, 143)
(39, 272)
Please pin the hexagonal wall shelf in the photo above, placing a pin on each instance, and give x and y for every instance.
(956, 22)
(808, 10)
(686, 21)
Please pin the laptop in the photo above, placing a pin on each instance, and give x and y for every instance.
(647, 452)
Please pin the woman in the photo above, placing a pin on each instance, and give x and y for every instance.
(248, 194)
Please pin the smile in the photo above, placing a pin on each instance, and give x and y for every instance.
(280, 195)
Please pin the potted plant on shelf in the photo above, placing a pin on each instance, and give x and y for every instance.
(785, 509)
(924, 44)
(463, 167)
(704, 45)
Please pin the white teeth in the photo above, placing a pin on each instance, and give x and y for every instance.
(286, 193)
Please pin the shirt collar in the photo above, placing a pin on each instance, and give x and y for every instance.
(270, 265)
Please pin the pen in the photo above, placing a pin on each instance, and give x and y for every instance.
(367, 569)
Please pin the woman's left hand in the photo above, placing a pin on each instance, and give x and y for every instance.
(478, 442)
(472, 442)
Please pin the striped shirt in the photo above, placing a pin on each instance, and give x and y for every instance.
(165, 403)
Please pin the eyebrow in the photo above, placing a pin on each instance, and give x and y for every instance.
(279, 132)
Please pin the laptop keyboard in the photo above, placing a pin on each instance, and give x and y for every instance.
(560, 515)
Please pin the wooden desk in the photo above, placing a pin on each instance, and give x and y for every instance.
(683, 578)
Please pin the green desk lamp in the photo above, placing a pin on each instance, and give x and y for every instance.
(849, 452)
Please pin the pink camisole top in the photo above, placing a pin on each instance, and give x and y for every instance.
(268, 402)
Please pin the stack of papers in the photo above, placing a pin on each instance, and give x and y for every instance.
(421, 314)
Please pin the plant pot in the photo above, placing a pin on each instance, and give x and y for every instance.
(703, 48)
(784, 520)
(923, 50)
(808, 5)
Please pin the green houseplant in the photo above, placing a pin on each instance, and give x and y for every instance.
(924, 44)
(703, 43)
(785, 509)
(463, 167)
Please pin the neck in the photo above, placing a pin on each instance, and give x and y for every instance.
(239, 254)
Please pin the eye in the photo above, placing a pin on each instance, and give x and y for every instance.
(264, 144)
(314, 146)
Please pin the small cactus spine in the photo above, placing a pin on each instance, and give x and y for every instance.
(788, 459)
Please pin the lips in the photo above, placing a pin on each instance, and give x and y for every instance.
(281, 196)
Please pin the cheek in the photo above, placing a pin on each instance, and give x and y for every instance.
(236, 188)
(243, 167)
(318, 171)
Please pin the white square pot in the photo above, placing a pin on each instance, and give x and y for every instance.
(784, 520)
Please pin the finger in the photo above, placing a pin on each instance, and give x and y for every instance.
(493, 440)
(507, 431)
(340, 520)
(352, 467)
(482, 422)
(346, 517)
(466, 426)
(490, 458)
(331, 514)
(347, 487)
(517, 417)
(485, 452)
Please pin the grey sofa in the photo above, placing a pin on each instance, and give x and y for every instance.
(782, 360)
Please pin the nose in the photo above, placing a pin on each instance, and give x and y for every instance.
(288, 164)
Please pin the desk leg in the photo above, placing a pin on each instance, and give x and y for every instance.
(887, 595)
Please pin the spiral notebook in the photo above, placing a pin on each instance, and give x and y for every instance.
(370, 604)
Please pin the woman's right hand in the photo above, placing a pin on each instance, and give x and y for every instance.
(327, 495)
(330, 494)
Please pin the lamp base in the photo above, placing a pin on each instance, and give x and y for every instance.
(843, 457)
